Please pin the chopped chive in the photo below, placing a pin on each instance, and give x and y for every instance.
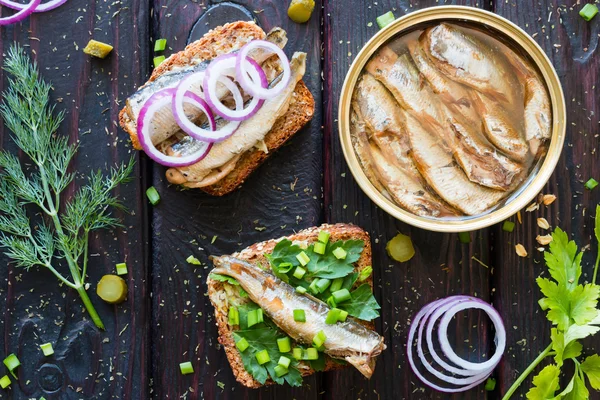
(301, 289)
(324, 237)
(343, 315)
(331, 302)
(242, 344)
(336, 284)
(310, 354)
(284, 361)
(263, 357)
(280, 371)
(12, 362)
(47, 349)
(591, 184)
(341, 295)
(323, 284)
(234, 316)
(333, 316)
(508, 226)
(284, 344)
(259, 315)
(319, 339)
(303, 258)
(490, 384)
(252, 318)
(313, 286)
(5, 382)
(464, 237)
(153, 195)
(193, 260)
(297, 353)
(186, 368)
(284, 268)
(299, 273)
(158, 60)
(160, 45)
(299, 315)
(121, 269)
(589, 11)
(340, 253)
(365, 273)
(320, 248)
(385, 19)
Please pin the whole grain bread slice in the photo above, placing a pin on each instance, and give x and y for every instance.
(222, 293)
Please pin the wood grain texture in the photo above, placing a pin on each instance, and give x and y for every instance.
(87, 363)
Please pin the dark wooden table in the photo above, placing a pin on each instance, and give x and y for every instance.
(167, 318)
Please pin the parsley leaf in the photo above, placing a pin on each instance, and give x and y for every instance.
(563, 261)
(284, 252)
(231, 281)
(579, 391)
(362, 305)
(545, 383)
(328, 266)
(563, 350)
(591, 367)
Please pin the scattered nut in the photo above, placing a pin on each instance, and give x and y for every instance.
(548, 199)
(533, 207)
(519, 218)
(544, 240)
(521, 252)
(543, 223)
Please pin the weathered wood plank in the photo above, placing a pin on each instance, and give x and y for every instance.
(283, 195)
(87, 363)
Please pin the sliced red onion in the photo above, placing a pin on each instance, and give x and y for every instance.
(51, 5)
(244, 73)
(216, 73)
(26, 11)
(164, 98)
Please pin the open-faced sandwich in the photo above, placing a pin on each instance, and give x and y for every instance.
(288, 307)
(213, 112)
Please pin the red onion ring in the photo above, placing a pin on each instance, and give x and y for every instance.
(51, 5)
(151, 106)
(244, 77)
(26, 11)
(226, 66)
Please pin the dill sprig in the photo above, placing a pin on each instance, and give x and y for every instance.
(62, 234)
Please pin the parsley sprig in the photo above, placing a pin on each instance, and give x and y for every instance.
(63, 232)
(572, 309)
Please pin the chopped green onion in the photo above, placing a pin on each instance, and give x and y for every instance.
(340, 253)
(343, 315)
(160, 45)
(299, 273)
(319, 339)
(323, 284)
(280, 371)
(313, 286)
(508, 226)
(284, 361)
(5, 382)
(234, 316)
(12, 362)
(336, 284)
(591, 184)
(252, 318)
(263, 357)
(193, 260)
(301, 289)
(153, 195)
(259, 315)
(284, 268)
(186, 368)
(320, 248)
(47, 349)
(589, 11)
(332, 316)
(385, 19)
(365, 273)
(324, 237)
(341, 295)
(297, 353)
(121, 269)
(310, 354)
(158, 60)
(299, 315)
(331, 302)
(284, 344)
(303, 258)
(242, 345)
(490, 384)
(464, 237)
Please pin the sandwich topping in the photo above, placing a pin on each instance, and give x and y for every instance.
(309, 308)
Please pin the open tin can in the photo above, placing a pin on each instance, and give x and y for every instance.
(515, 37)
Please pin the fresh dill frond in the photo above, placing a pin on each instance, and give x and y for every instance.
(63, 234)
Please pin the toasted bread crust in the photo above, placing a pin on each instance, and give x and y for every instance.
(256, 254)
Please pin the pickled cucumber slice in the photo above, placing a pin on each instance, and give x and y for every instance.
(97, 49)
(112, 289)
(301, 10)
(400, 248)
